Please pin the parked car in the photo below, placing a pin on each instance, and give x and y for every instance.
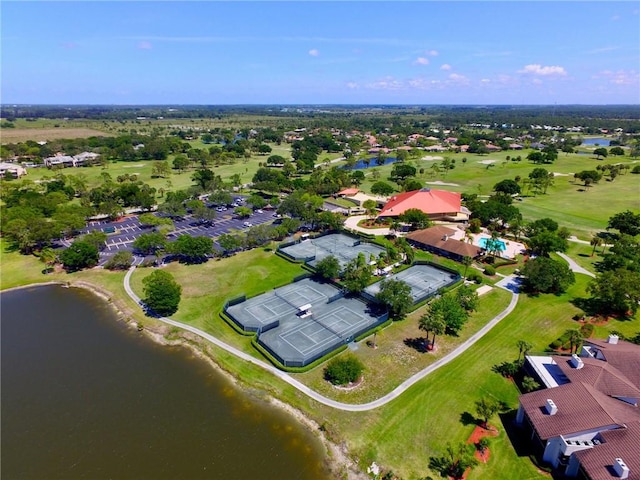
(248, 224)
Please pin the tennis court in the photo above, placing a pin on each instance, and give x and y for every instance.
(344, 247)
(424, 280)
(304, 320)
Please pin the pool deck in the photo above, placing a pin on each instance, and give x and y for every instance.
(512, 248)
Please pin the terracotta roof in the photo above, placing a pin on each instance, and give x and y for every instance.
(625, 356)
(348, 191)
(438, 237)
(580, 407)
(597, 462)
(432, 202)
(602, 375)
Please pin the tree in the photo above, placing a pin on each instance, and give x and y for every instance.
(382, 188)
(161, 292)
(79, 255)
(149, 243)
(510, 187)
(242, 212)
(97, 238)
(356, 275)
(486, 408)
(396, 296)
(229, 243)
(49, 257)
(204, 214)
(371, 208)
(256, 201)
(192, 249)
(596, 241)
(546, 242)
(523, 347)
(328, 268)
(160, 169)
(547, 276)
(627, 223)
(466, 261)
(120, 261)
(601, 152)
(401, 171)
(529, 384)
(467, 297)
(432, 322)
(448, 308)
(616, 291)
(592, 176)
(456, 461)
(343, 370)
(181, 162)
(416, 217)
(617, 151)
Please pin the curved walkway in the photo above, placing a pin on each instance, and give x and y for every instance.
(352, 223)
(315, 395)
(574, 266)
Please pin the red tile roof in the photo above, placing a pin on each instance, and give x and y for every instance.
(602, 375)
(431, 202)
(438, 237)
(625, 356)
(348, 191)
(624, 443)
(580, 408)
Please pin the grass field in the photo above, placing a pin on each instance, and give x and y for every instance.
(400, 435)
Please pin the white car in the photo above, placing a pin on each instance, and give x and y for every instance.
(259, 211)
(248, 224)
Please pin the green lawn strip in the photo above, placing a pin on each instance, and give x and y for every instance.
(581, 254)
(17, 269)
(428, 415)
(397, 358)
(207, 286)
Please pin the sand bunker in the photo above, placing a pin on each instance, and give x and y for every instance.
(430, 158)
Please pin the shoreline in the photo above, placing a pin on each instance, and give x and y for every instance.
(337, 459)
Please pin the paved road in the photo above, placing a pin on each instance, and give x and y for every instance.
(574, 266)
(312, 393)
(352, 223)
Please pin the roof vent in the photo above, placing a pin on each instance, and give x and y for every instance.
(576, 362)
(613, 339)
(621, 468)
(551, 407)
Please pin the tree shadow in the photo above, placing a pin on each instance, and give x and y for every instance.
(588, 305)
(467, 419)
(419, 344)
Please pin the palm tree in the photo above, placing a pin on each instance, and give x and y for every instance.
(574, 340)
(432, 323)
(466, 261)
(596, 241)
(371, 207)
(48, 257)
(523, 347)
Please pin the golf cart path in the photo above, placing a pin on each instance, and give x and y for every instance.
(321, 398)
(573, 266)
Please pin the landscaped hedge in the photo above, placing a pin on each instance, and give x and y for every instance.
(489, 270)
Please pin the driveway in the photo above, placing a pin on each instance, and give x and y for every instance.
(352, 223)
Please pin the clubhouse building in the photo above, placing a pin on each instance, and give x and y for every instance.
(437, 204)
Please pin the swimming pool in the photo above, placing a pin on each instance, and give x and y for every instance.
(500, 245)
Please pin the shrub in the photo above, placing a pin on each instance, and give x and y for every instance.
(474, 276)
(586, 330)
(636, 169)
(343, 370)
(489, 270)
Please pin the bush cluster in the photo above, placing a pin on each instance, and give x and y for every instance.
(343, 370)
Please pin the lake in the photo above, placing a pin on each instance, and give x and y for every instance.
(86, 397)
(602, 142)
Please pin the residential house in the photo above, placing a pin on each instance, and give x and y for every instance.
(587, 420)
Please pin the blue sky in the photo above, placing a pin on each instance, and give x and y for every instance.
(369, 52)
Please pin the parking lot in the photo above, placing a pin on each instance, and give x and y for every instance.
(122, 233)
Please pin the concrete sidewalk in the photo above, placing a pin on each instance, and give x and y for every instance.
(352, 224)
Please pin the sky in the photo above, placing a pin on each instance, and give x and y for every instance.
(328, 52)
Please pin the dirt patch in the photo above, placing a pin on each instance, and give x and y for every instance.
(479, 433)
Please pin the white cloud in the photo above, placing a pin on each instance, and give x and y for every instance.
(421, 61)
(144, 45)
(457, 78)
(620, 77)
(445, 66)
(537, 69)
(485, 80)
(432, 53)
(314, 52)
(353, 85)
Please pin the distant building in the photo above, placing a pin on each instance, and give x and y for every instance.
(439, 240)
(11, 170)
